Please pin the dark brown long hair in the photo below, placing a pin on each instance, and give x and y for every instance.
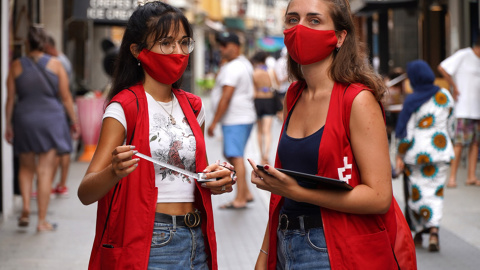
(154, 18)
(350, 63)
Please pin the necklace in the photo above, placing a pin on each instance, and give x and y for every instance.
(170, 116)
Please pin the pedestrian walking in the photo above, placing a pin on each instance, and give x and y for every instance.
(282, 80)
(149, 216)
(461, 72)
(424, 129)
(232, 99)
(334, 128)
(63, 161)
(265, 103)
(38, 103)
(51, 49)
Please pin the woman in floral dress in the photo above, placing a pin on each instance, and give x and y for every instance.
(425, 127)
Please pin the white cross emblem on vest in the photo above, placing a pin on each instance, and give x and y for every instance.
(343, 169)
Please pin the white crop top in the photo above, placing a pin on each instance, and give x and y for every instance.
(171, 143)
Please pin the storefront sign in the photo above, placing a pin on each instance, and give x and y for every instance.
(105, 11)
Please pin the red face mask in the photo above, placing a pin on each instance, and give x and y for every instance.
(307, 46)
(164, 68)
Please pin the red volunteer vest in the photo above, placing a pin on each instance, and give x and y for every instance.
(129, 227)
(353, 241)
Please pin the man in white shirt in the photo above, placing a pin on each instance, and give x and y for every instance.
(281, 72)
(232, 98)
(462, 72)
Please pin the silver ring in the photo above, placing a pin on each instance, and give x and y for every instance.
(227, 166)
(223, 188)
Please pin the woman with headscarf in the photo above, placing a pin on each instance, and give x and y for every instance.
(424, 129)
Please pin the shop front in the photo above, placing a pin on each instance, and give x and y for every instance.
(399, 31)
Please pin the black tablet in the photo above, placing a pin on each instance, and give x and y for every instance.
(314, 179)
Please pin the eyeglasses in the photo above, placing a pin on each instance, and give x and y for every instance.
(167, 45)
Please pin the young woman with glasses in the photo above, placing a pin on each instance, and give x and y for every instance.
(150, 216)
(334, 128)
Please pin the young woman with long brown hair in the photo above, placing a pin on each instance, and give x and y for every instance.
(334, 128)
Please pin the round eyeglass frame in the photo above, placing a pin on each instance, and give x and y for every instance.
(169, 49)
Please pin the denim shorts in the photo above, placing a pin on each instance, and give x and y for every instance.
(235, 139)
(182, 248)
(302, 249)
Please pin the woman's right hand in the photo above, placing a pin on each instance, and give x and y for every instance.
(109, 163)
(122, 162)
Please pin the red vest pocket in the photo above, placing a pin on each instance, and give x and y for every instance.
(371, 251)
(109, 257)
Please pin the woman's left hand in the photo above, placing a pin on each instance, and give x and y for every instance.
(9, 134)
(75, 131)
(225, 174)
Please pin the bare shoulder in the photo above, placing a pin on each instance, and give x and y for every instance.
(16, 68)
(364, 98)
(16, 65)
(366, 109)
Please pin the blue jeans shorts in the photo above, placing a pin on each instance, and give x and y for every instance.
(302, 249)
(177, 248)
(235, 139)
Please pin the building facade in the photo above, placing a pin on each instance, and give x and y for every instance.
(399, 31)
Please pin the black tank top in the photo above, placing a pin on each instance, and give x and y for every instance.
(300, 155)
